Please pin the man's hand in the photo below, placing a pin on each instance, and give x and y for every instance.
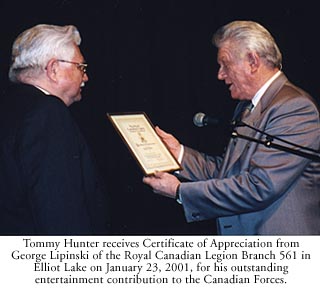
(163, 183)
(172, 143)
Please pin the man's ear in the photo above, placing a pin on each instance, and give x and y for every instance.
(254, 61)
(52, 69)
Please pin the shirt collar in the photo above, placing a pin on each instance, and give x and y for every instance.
(43, 90)
(255, 100)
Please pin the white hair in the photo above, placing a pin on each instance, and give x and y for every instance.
(35, 47)
(250, 36)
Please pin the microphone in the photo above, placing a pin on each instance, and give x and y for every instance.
(201, 119)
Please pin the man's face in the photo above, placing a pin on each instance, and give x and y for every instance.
(72, 78)
(235, 71)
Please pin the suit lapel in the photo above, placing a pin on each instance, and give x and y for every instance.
(237, 146)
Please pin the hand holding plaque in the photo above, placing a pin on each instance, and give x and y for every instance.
(148, 149)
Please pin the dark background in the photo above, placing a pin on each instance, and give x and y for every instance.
(156, 56)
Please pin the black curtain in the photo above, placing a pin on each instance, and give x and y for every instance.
(156, 56)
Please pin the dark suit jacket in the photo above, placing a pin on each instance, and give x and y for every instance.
(48, 180)
(255, 189)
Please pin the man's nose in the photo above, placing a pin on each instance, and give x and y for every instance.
(85, 77)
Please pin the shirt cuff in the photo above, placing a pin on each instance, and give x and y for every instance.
(181, 154)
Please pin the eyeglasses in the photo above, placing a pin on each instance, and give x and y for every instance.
(81, 66)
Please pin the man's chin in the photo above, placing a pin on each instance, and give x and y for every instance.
(78, 98)
(75, 99)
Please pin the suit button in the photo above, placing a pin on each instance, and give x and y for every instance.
(195, 215)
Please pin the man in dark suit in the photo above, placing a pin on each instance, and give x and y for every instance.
(253, 189)
(48, 180)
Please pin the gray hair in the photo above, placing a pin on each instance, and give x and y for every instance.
(35, 47)
(250, 36)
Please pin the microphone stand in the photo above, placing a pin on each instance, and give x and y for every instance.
(269, 142)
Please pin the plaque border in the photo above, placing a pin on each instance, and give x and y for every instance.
(115, 118)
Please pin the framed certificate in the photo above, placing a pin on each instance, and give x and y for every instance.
(139, 135)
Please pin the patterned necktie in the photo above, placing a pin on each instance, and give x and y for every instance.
(246, 108)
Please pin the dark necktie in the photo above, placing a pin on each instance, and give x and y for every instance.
(246, 108)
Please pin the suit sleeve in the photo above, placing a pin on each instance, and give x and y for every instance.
(199, 166)
(268, 173)
(50, 156)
